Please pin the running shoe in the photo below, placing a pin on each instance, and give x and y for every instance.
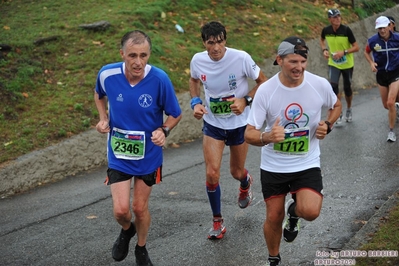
(245, 195)
(391, 137)
(348, 115)
(397, 111)
(273, 261)
(142, 258)
(338, 123)
(121, 245)
(291, 225)
(218, 229)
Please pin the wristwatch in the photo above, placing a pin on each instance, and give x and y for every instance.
(165, 130)
(345, 52)
(248, 99)
(329, 128)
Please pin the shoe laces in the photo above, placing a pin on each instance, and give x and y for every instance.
(244, 192)
(123, 238)
(217, 223)
(273, 262)
(293, 223)
(142, 255)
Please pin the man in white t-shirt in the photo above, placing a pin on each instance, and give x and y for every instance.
(223, 73)
(290, 105)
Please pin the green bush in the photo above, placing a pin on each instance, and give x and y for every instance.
(368, 8)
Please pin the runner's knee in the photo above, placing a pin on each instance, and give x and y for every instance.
(348, 91)
(335, 88)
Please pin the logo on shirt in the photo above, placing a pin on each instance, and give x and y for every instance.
(145, 100)
(377, 47)
(293, 114)
(232, 82)
(254, 66)
(119, 98)
(203, 78)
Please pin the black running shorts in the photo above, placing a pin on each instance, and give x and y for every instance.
(279, 184)
(114, 176)
(386, 78)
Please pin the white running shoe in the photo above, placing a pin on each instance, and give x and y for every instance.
(391, 137)
(348, 115)
(338, 123)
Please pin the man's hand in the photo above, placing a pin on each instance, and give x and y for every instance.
(238, 105)
(199, 111)
(158, 137)
(321, 130)
(103, 126)
(277, 134)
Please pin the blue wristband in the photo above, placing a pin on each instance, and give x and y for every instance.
(195, 101)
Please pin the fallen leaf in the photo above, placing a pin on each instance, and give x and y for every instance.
(6, 28)
(175, 145)
(7, 143)
(360, 222)
(25, 94)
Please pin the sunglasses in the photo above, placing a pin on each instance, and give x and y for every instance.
(303, 53)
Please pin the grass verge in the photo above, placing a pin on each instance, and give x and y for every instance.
(385, 239)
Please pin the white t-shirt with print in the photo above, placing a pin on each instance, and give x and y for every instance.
(222, 79)
(297, 107)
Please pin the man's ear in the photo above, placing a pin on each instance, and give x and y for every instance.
(279, 60)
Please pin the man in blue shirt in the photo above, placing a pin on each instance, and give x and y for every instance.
(384, 46)
(136, 95)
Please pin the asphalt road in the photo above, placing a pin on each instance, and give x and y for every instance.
(70, 222)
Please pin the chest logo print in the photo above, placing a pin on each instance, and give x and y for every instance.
(145, 100)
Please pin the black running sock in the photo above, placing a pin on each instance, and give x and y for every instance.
(291, 210)
(131, 231)
(271, 258)
(245, 182)
(140, 248)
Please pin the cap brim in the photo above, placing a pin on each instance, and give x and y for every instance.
(381, 26)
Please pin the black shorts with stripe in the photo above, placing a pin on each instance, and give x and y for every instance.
(279, 184)
(114, 176)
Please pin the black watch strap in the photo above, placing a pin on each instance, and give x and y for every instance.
(165, 130)
(248, 99)
(329, 128)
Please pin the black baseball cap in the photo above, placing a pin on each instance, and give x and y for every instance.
(391, 19)
(288, 46)
(333, 13)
